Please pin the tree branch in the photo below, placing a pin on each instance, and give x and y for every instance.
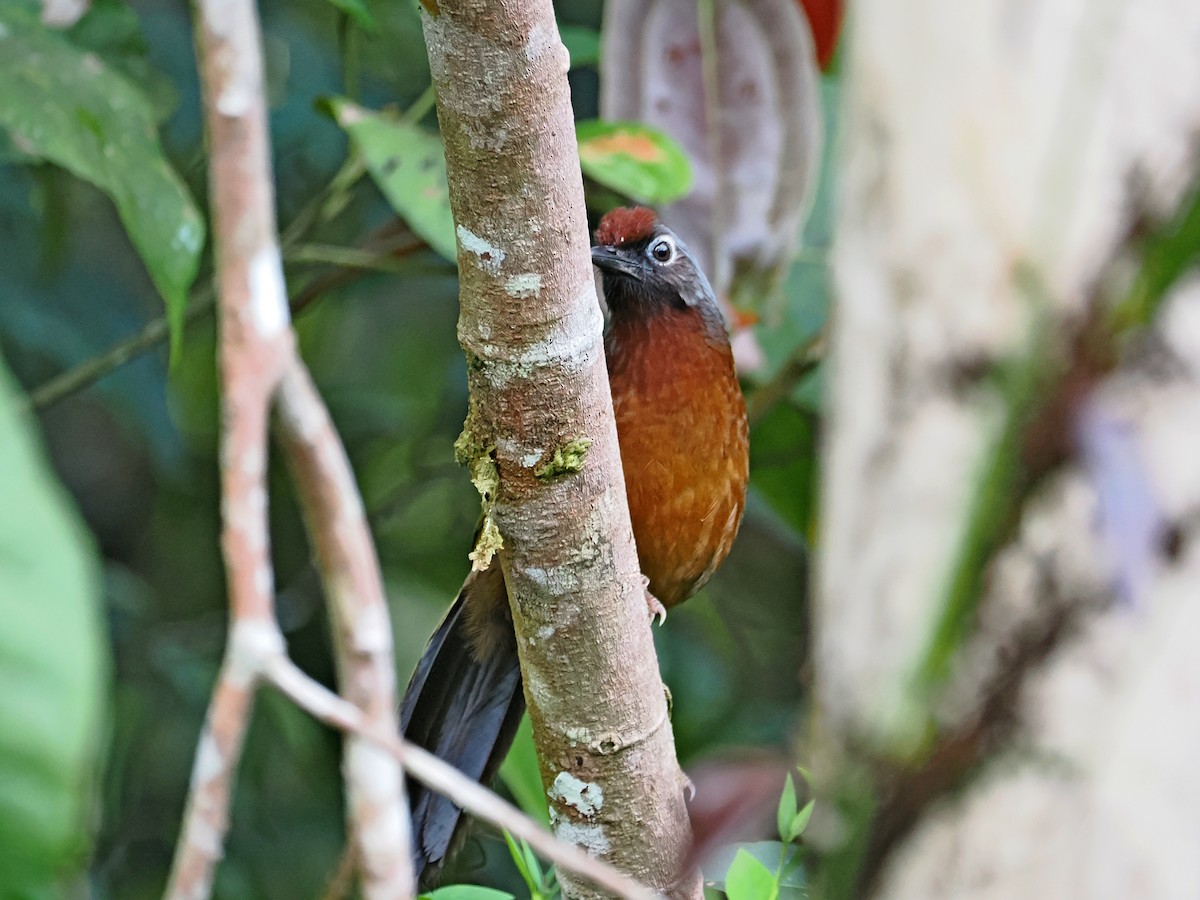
(327, 203)
(258, 358)
(531, 329)
(362, 632)
(445, 779)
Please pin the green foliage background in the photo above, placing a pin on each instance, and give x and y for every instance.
(84, 263)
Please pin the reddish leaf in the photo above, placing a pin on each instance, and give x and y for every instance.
(825, 20)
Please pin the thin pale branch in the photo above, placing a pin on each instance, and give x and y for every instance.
(257, 359)
(255, 343)
(361, 625)
(327, 706)
(206, 818)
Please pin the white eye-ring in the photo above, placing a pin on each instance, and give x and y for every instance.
(662, 250)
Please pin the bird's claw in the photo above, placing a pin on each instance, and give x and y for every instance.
(689, 786)
(657, 610)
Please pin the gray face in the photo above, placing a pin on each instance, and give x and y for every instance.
(650, 273)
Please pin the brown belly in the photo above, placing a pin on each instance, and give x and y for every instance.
(681, 422)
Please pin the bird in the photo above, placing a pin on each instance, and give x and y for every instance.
(684, 445)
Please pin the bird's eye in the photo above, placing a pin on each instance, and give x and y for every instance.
(663, 250)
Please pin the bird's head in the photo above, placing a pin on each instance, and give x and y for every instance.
(647, 268)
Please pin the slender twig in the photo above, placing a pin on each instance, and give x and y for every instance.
(350, 261)
(354, 257)
(258, 362)
(421, 107)
(445, 779)
(126, 350)
(361, 626)
(321, 208)
(798, 366)
(206, 818)
(255, 343)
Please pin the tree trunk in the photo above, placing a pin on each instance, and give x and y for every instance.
(531, 330)
(998, 157)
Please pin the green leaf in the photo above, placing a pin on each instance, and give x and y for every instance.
(791, 823)
(10, 153)
(583, 44)
(408, 164)
(774, 856)
(800, 821)
(787, 809)
(52, 663)
(67, 106)
(749, 879)
(638, 161)
(519, 860)
(528, 866)
(522, 777)
(357, 10)
(538, 885)
(111, 30)
(467, 892)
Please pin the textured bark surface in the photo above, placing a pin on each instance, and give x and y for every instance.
(259, 363)
(1094, 793)
(255, 344)
(1028, 164)
(998, 156)
(531, 329)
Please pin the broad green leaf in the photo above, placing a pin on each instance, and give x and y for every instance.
(749, 879)
(772, 855)
(52, 664)
(638, 161)
(10, 153)
(787, 809)
(409, 166)
(65, 105)
(521, 774)
(467, 892)
(357, 10)
(582, 44)
(111, 30)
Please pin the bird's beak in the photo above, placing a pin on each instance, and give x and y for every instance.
(610, 259)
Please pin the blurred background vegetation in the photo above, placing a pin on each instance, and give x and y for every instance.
(137, 454)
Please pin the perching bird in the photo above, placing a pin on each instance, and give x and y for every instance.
(681, 424)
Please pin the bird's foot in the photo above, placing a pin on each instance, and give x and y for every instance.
(689, 786)
(657, 610)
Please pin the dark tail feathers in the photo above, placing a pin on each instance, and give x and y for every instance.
(463, 704)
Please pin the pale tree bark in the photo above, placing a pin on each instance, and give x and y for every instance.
(541, 441)
(258, 364)
(978, 599)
